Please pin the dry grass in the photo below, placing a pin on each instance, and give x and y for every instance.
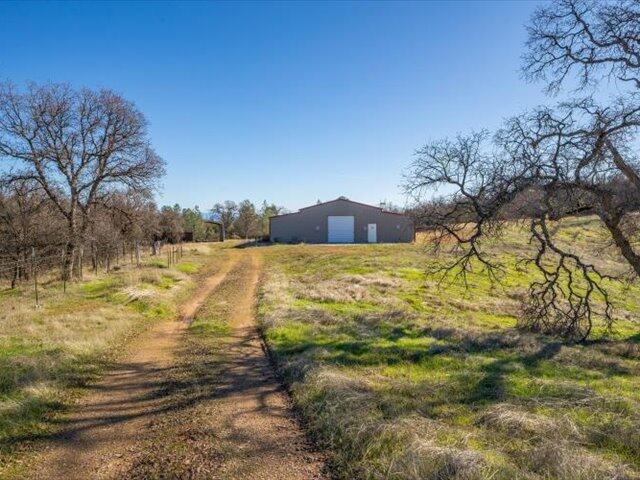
(401, 377)
(48, 354)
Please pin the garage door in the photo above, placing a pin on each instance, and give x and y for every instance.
(340, 229)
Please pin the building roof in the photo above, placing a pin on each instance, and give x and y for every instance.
(339, 199)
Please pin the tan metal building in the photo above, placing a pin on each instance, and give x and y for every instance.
(341, 221)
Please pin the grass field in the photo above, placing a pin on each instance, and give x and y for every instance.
(402, 378)
(49, 354)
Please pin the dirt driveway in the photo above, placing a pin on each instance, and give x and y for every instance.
(115, 427)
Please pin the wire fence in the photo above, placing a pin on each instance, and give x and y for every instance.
(41, 266)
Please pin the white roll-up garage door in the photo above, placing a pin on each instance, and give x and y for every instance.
(341, 229)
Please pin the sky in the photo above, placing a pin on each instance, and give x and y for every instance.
(288, 102)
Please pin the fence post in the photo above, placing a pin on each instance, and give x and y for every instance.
(34, 271)
(138, 253)
(16, 275)
(94, 257)
(64, 273)
(81, 260)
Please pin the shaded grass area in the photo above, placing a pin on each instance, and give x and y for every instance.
(402, 378)
(48, 355)
(185, 442)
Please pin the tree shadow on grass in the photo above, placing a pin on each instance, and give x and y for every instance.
(445, 351)
(492, 387)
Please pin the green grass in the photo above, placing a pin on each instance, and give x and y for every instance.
(48, 355)
(187, 267)
(399, 375)
(157, 263)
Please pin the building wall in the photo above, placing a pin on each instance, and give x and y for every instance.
(310, 225)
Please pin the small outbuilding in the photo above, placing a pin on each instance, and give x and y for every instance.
(341, 221)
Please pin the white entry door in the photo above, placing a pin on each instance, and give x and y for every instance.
(340, 229)
(372, 233)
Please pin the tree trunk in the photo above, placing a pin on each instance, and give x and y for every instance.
(94, 257)
(137, 253)
(68, 263)
(612, 218)
(627, 170)
(80, 261)
(70, 247)
(16, 274)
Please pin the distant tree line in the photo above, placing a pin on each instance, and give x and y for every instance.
(429, 213)
(123, 225)
(244, 220)
(225, 220)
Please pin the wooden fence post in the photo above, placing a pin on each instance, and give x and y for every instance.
(138, 253)
(81, 260)
(34, 271)
(64, 274)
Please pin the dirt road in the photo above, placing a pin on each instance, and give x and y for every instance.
(116, 426)
(250, 414)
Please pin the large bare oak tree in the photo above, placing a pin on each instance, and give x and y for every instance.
(576, 156)
(79, 146)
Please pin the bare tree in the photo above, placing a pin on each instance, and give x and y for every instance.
(78, 145)
(584, 40)
(27, 220)
(135, 216)
(577, 156)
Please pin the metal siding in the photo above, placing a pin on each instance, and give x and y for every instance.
(310, 224)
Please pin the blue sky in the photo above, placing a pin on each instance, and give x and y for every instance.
(289, 102)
